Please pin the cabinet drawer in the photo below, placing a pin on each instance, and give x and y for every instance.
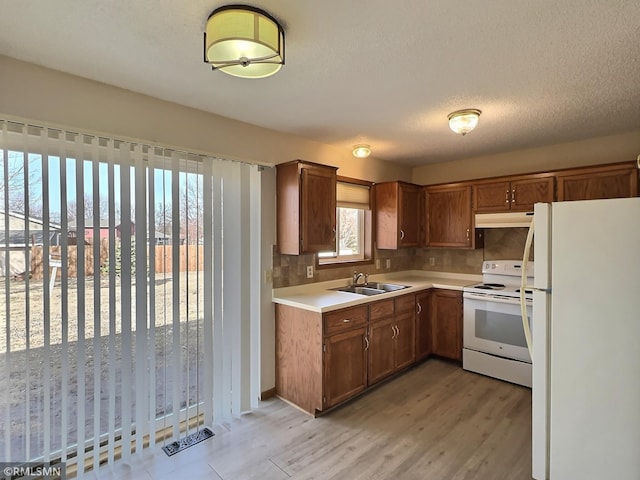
(406, 303)
(381, 309)
(345, 319)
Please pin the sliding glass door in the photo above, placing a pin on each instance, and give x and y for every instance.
(126, 294)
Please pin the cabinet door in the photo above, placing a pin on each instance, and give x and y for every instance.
(492, 197)
(318, 210)
(345, 366)
(527, 192)
(423, 325)
(449, 218)
(381, 338)
(597, 184)
(405, 345)
(447, 323)
(409, 219)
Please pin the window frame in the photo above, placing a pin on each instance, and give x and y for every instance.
(366, 228)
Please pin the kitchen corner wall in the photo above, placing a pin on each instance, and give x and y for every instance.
(499, 244)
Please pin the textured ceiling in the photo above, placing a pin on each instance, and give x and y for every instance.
(376, 71)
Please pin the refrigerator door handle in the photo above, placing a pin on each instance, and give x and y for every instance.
(523, 287)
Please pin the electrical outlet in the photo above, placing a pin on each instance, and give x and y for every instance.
(378, 264)
(432, 261)
(388, 263)
(309, 271)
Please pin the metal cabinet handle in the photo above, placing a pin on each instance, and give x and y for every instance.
(393, 329)
(397, 331)
(401, 234)
(366, 343)
(346, 320)
(467, 234)
(333, 234)
(419, 308)
(506, 197)
(513, 196)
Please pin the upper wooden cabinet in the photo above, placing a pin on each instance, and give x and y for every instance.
(448, 217)
(397, 215)
(513, 193)
(592, 183)
(306, 207)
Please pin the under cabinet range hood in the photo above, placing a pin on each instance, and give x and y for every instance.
(503, 220)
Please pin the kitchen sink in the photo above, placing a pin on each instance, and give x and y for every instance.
(371, 288)
(387, 287)
(360, 290)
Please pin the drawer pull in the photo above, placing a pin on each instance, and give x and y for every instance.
(346, 320)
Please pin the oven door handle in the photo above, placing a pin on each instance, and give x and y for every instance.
(492, 299)
(523, 286)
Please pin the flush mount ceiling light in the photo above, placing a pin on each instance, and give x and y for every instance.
(244, 42)
(463, 121)
(361, 151)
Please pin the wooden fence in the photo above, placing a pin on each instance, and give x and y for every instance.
(191, 259)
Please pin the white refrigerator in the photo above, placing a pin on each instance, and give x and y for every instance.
(586, 340)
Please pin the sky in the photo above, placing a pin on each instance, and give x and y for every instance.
(58, 176)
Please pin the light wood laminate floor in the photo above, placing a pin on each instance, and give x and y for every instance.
(435, 422)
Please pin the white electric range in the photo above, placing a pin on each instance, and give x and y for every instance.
(493, 333)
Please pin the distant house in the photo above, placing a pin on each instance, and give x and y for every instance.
(103, 229)
(161, 238)
(16, 242)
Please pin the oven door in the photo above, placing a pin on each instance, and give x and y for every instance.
(494, 326)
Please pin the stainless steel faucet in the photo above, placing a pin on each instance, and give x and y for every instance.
(356, 277)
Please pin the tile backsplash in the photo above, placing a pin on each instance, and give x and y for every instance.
(499, 244)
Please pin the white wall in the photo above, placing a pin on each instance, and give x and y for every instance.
(39, 94)
(609, 149)
(267, 317)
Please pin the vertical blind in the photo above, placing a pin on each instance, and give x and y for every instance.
(130, 293)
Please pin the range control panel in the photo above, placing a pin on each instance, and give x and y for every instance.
(506, 267)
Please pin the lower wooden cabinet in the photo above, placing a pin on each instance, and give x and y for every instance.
(446, 318)
(391, 336)
(323, 360)
(405, 340)
(382, 339)
(423, 325)
(345, 366)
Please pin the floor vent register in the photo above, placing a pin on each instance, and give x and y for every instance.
(188, 441)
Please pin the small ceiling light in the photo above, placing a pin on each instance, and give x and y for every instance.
(243, 41)
(463, 121)
(361, 151)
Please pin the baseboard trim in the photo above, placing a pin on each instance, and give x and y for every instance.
(267, 394)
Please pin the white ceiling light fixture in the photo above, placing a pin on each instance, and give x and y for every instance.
(463, 121)
(361, 151)
(244, 42)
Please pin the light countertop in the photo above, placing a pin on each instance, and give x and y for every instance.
(318, 297)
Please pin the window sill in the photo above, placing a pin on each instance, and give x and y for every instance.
(343, 263)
